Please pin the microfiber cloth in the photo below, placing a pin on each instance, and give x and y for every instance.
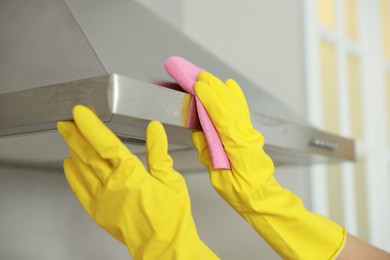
(185, 74)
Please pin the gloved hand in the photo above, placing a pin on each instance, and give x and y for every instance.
(250, 187)
(148, 212)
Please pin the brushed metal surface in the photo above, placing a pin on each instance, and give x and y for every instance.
(77, 48)
(41, 44)
(113, 28)
(127, 105)
(121, 102)
(28, 118)
(40, 108)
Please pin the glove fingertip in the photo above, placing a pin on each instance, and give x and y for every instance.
(88, 122)
(80, 111)
(231, 83)
(155, 134)
(199, 85)
(200, 142)
(204, 76)
(159, 161)
(212, 80)
(65, 128)
(155, 127)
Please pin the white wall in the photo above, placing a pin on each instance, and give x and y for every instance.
(41, 219)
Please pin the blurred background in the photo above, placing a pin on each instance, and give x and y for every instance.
(328, 60)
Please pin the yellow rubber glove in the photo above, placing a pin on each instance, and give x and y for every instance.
(150, 213)
(250, 187)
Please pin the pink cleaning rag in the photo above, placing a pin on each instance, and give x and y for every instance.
(185, 74)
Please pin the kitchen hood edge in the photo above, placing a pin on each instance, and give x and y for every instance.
(89, 51)
(127, 105)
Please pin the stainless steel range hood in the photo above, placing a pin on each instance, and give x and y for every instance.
(108, 55)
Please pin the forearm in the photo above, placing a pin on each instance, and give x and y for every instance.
(293, 231)
(356, 249)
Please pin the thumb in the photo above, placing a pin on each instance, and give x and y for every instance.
(159, 162)
(200, 143)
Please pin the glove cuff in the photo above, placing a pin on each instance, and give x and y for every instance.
(296, 233)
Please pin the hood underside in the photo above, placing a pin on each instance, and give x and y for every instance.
(109, 56)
